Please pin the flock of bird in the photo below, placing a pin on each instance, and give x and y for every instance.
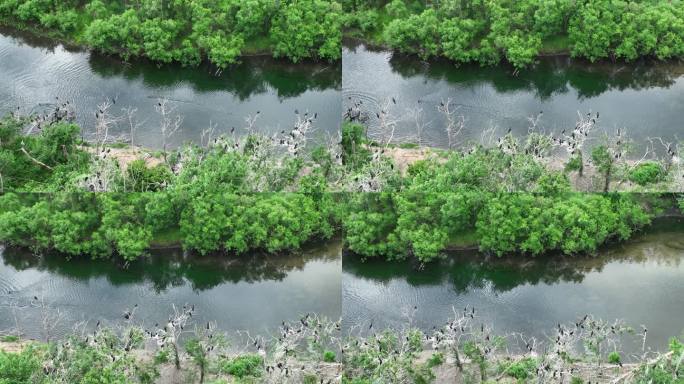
(61, 112)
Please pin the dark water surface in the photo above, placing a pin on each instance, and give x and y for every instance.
(254, 292)
(646, 99)
(641, 282)
(34, 71)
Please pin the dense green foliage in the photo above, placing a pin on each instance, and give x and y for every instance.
(30, 160)
(576, 223)
(18, 368)
(188, 31)
(104, 224)
(230, 196)
(511, 202)
(243, 366)
(238, 195)
(486, 32)
(647, 173)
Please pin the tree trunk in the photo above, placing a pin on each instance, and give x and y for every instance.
(175, 356)
(459, 364)
(606, 185)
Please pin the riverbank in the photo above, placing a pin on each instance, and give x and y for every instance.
(133, 354)
(459, 352)
(557, 47)
(592, 178)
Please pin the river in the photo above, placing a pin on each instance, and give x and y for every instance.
(644, 99)
(640, 281)
(254, 292)
(35, 71)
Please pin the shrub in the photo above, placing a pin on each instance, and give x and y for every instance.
(522, 369)
(647, 173)
(329, 356)
(243, 366)
(142, 179)
(19, 368)
(614, 357)
(435, 360)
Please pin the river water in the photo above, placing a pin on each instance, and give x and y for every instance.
(644, 99)
(34, 71)
(252, 292)
(640, 281)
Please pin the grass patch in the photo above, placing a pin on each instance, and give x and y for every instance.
(466, 239)
(408, 146)
(555, 45)
(168, 238)
(329, 356)
(435, 360)
(118, 144)
(257, 46)
(9, 338)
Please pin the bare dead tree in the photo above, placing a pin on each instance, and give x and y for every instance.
(104, 122)
(670, 160)
(250, 123)
(170, 122)
(130, 115)
(170, 333)
(207, 134)
(51, 318)
(420, 125)
(296, 348)
(296, 139)
(454, 123)
(487, 136)
(383, 134)
(574, 141)
(451, 336)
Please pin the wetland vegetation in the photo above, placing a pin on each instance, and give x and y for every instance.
(519, 31)
(187, 32)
